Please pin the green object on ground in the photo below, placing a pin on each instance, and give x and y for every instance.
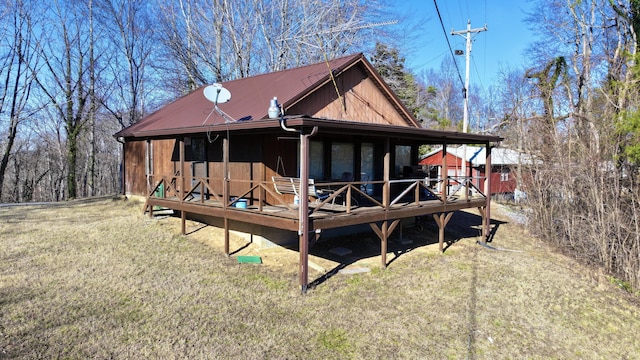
(159, 193)
(246, 259)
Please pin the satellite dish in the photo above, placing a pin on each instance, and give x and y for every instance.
(217, 94)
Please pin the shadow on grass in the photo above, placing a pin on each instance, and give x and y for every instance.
(402, 241)
(196, 229)
(204, 226)
(240, 249)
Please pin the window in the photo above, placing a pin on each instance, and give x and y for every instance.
(198, 149)
(403, 158)
(341, 159)
(366, 166)
(504, 175)
(316, 160)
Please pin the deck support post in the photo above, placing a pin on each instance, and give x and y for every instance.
(303, 209)
(183, 220)
(383, 234)
(483, 214)
(226, 236)
(442, 219)
(384, 243)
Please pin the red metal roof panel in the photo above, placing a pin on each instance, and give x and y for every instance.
(250, 98)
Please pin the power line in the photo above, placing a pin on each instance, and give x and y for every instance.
(446, 36)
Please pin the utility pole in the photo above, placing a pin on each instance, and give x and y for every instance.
(465, 123)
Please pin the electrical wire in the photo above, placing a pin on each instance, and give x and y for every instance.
(446, 36)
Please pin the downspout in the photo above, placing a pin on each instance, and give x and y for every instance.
(303, 207)
(123, 192)
(283, 125)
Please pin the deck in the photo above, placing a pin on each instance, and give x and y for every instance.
(329, 217)
(349, 204)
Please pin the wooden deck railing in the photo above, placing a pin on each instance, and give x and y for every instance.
(353, 194)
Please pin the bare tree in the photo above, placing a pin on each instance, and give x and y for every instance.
(584, 193)
(128, 28)
(214, 18)
(219, 40)
(446, 93)
(178, 24)
(63, 77)
(15, 59)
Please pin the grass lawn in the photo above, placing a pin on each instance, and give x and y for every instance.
(97, 279)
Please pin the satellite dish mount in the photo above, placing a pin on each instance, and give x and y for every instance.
(217, 94)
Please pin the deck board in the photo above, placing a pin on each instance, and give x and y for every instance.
(327, 217)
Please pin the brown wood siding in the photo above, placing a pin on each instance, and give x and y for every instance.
(135, 179)
(245, 164)
(216, 176)
(361, 100)
(162, 165)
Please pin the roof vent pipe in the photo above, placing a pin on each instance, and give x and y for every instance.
(274, 109)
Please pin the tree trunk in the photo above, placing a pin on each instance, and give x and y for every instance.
(72, 159)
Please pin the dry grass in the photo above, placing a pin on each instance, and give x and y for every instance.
(99, 280)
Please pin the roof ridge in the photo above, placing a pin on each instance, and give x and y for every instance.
(354, 55)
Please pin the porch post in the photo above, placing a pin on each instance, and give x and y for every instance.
(386, 187)
(225, 173)
(487, 192)
(182, 182)
(466, 176)
(445, 172)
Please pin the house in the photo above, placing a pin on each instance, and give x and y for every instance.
(341, 130)
(504, 163)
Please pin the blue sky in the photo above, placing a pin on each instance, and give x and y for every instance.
(502, 46)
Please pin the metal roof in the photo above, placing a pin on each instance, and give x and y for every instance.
(477, 155)
(248, 107)
(249, 98)
(426, 136)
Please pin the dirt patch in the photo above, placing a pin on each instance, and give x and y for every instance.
(364, 248)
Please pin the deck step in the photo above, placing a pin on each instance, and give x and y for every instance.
(162, 211)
